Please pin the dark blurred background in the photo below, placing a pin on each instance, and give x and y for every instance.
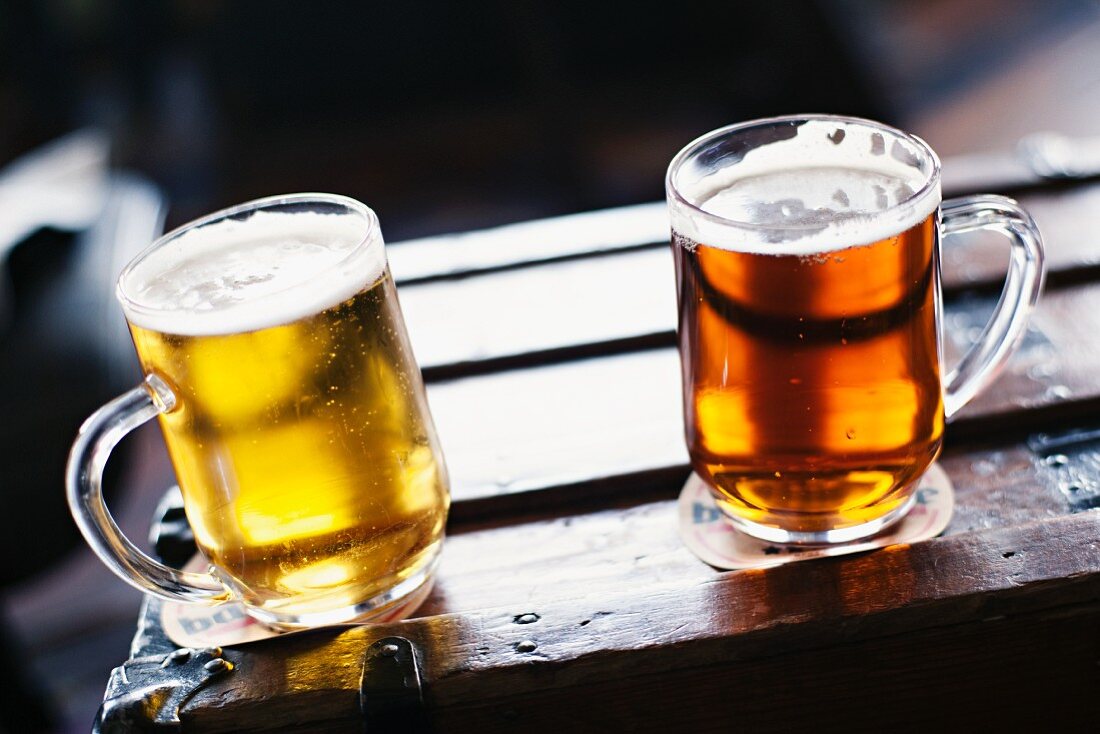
(448, 116)
(443, 116)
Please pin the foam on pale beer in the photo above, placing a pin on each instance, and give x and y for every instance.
(242, 275)
(858, 189)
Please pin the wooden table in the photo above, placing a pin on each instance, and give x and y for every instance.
(566, 601)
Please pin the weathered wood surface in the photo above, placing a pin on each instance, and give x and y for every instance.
(629, 547)
(564, 472)
(526, 243)
(624, 573)
(771, 649)
(643, 226)
(1070, 223)
(561, 433)
(618, 302)
(553, 556)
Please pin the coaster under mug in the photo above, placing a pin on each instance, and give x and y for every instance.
(227, 625)
(714, 540)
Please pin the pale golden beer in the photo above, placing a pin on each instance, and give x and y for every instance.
(308, 470)
(807, 270)
(276, 359)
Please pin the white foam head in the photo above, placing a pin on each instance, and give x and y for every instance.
(261, 264)
(801, 185)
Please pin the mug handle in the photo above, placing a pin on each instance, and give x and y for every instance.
(84, 488)
(1001, 335)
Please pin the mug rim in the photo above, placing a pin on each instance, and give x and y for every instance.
(370, 234)
(695, 146)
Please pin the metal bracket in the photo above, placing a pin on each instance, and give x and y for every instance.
(146, 693)
(390, 694)
(1074, 457)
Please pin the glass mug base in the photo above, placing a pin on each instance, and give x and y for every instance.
(383, 607)
(776, 534)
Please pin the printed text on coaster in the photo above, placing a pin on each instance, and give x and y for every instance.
(225, 625)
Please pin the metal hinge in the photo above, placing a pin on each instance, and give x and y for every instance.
(145, 694)
(390, 693)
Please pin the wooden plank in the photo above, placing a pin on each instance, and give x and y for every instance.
(1070, 223)
(620, 302)
(948, 613)
(641, 226)
(609, 426)
(1046, 163)
(559, 426)
(981, 172)
(525, 243)
(554, 307)
(566, 557)
(544, 559)
(587, 557)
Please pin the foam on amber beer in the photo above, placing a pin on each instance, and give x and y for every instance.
(797, 198)
(300, 437)
(808, 321)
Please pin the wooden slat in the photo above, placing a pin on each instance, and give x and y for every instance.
(562, 432)
(646, 225)
(1042, 159)
(547, 560)
(950, 612)
(544, 240)
(554, 307)
(625, 301)
(981, 172)
(1070, 223)
(569, 553)
(584, 567)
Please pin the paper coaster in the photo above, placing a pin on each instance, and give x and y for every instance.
(224, 625)
(705, 530)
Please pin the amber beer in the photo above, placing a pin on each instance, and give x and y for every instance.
(300, 436)
(807, 261)
(812, 396)
(806, 253)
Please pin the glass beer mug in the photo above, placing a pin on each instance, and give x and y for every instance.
(807, 265)
(277, 363)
